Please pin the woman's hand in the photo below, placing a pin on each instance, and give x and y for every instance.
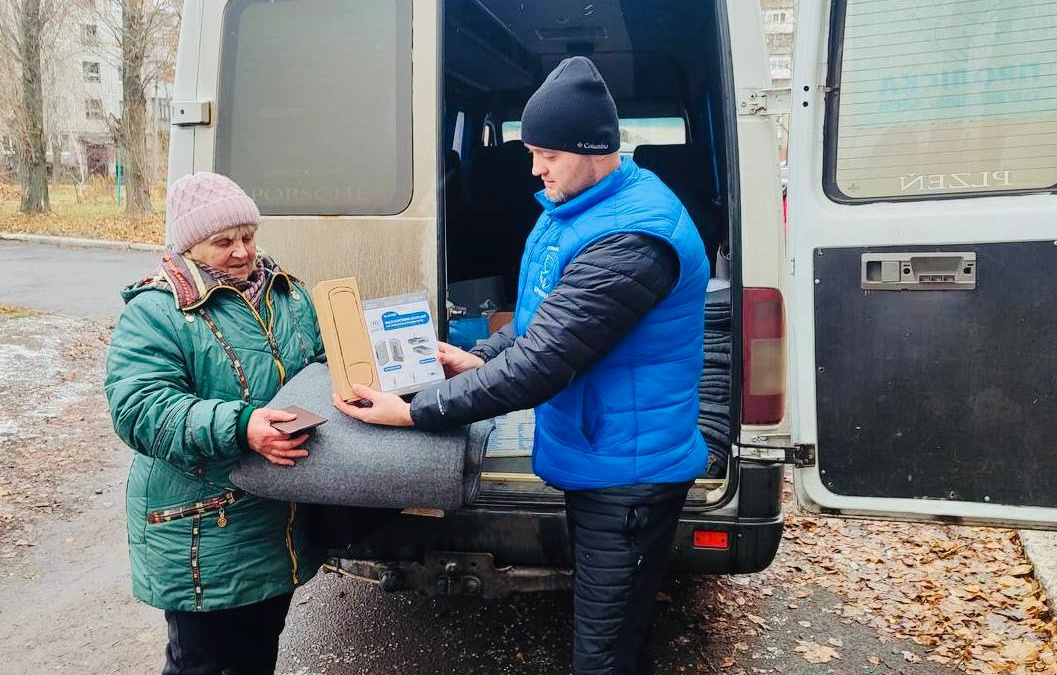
(274, 445)
(386, 409)
(455, 360)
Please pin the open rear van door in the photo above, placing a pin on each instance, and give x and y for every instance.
(923, 239)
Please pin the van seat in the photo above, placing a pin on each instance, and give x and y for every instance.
(457, 221)
(504, 209)
(687, 171)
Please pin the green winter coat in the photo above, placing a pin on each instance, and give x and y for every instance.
(189, 360)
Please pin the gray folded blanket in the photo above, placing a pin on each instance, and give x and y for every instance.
(355, 464)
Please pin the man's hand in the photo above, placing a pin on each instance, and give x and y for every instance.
(274, 445)
(386, 409)
(455, 360)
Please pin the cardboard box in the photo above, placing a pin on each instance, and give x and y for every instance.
(387, 344)
(404, 341)
(513, 435)
(498, 320)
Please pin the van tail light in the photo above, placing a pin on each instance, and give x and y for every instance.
(710, 539)
(763, 356)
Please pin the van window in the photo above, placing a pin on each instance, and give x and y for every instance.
(942, 98)
(634, 132)
(323, 130)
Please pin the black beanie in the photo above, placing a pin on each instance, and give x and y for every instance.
(572, 111)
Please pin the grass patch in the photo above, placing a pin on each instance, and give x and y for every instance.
(16, 312)
(91, 215)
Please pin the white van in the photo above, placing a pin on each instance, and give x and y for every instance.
(379, 138)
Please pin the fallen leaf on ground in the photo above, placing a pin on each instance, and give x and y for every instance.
(1020, 652)
(813, 652)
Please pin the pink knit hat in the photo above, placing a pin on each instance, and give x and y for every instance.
(201, 204)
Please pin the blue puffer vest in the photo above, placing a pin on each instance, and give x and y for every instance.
(632, 417)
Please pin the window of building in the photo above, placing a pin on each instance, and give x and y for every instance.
(943, 99)
(782, 62)
(89, 33)
(93, 109)
(91, 71)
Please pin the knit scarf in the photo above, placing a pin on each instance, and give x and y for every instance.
(252, 288)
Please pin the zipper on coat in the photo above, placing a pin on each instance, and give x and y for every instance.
(301, 342)
(197, 509)
(290, 543)
(273, 345)
(267, 328)
(196, 574)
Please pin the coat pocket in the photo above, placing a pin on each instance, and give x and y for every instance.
(215, 504)
(590, 413)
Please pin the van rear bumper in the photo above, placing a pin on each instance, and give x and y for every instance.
(517, 547)
(460, 571)
(752, 546)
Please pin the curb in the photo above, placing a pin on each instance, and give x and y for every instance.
(74, 242)
(1041, 549)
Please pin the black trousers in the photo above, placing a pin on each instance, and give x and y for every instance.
(239, 641)
(622, 544)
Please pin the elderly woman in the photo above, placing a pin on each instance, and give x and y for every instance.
(201, 346)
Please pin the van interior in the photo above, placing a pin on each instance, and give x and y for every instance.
(666, 78)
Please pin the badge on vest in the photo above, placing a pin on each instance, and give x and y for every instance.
(546, 276)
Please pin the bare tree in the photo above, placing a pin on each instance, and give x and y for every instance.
(30, 31)
(143, 29)
(10, 100)
(64, 91)
(21, 39)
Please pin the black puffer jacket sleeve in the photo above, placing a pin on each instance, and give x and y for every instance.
(600, 297)
(494, 345)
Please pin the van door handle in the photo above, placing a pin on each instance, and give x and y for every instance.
(190, 113)
(918, 271)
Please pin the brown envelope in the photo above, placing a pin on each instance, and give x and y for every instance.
(305, 420)
(345, 336)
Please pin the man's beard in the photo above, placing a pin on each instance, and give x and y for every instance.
(581, 181)
(556, 196)
(561, 196)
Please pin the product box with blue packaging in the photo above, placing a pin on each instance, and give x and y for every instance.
(388, 344)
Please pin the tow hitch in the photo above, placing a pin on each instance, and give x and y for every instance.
(449, 574)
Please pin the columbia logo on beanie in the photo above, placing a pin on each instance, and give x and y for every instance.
(572, 111)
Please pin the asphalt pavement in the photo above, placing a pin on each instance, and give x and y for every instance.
(83, 282)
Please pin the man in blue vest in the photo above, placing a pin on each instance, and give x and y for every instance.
(606, 345)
